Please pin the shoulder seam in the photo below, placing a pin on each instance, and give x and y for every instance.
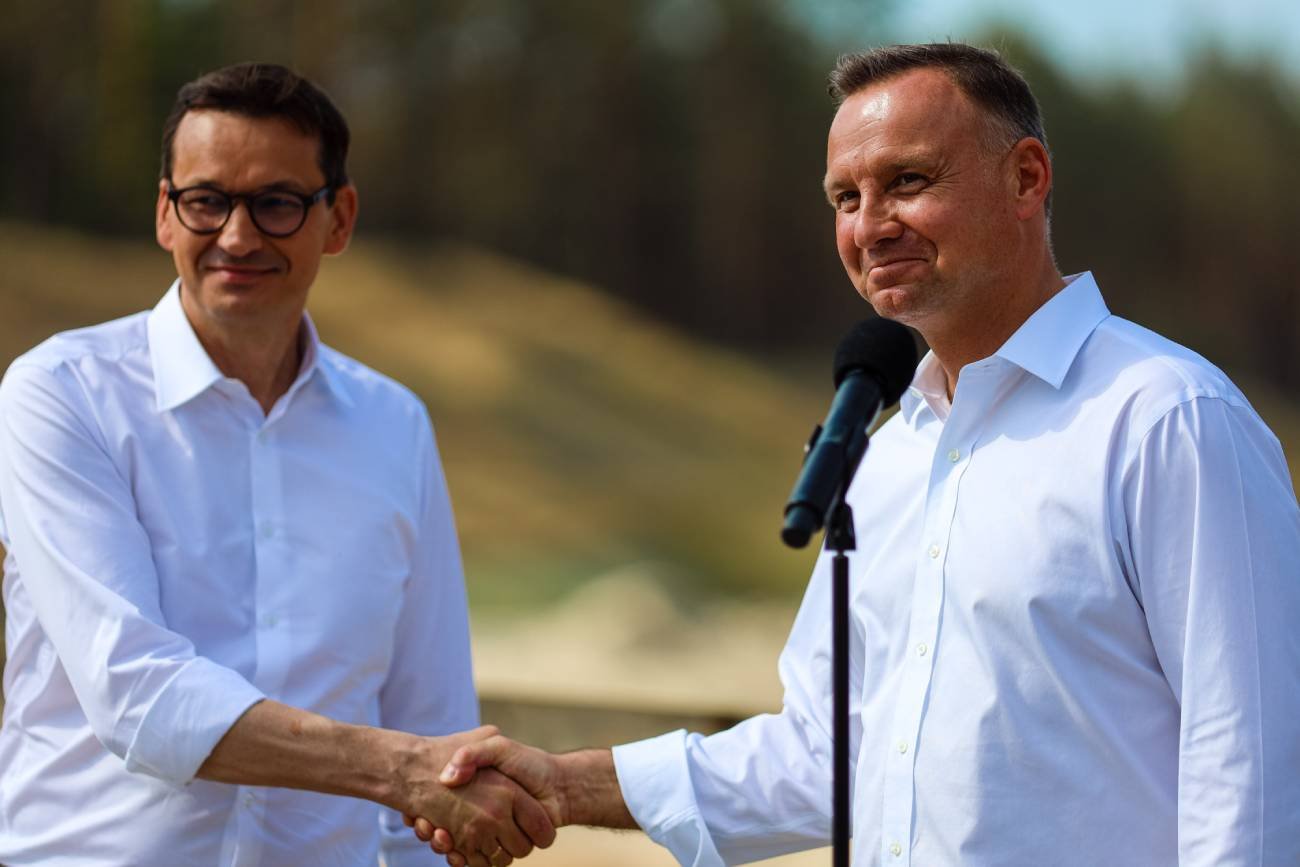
(37, 355)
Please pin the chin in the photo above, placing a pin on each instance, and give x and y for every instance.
(897, 302)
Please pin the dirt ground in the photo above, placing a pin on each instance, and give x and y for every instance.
(584, 847)
(621, 642)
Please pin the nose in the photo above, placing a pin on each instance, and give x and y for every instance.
(876, 221)
(239, 237)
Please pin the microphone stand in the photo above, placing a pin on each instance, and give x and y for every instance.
(840, 539)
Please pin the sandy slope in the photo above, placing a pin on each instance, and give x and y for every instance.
(622, 641)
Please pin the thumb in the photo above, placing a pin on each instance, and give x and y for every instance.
(466, 761)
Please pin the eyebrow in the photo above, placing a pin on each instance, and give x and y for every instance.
(829, 189)
(891, 165)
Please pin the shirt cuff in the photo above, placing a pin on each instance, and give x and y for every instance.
(655, 778)
(186, 720)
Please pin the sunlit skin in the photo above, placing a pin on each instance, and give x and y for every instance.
(244, 292)
(940, 223)
(939, 216)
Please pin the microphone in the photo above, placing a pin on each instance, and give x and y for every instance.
(874, 365)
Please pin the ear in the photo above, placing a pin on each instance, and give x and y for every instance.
(1031, 176)
(343, 219)
(162, 224)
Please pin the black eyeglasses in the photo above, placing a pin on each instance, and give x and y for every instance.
(278, 213)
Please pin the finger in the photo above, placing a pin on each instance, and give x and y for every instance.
(514, 840)
(442, 841)
(455, 859)
(533, 820)
(501, 858)
(478, 859)
(409, 820)
(481, 754)
(457, 775)
(423, 829)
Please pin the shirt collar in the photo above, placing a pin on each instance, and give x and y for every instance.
(929, 386)
(1049, 340)
(1045, 345)
(182, 369)
(181, 366)
(315, 361)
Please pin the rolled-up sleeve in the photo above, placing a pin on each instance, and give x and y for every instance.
(86, 563)
(762, 788)
(1215, 540)
(430, 685)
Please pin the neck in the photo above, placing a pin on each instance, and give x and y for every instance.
(265, 357)
(975, 334)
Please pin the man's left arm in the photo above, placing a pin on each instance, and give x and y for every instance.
(430, 686)
(1214, 534)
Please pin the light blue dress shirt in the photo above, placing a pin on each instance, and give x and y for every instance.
(1075, 630)
(174, 556)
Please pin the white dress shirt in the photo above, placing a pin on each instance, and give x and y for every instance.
(174, 556)
(1075, 630)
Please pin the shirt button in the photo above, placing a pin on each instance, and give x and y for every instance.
(922, 649)
(249, 800)
(267, 530)
(270, 621)
(954, 455)
(934, 552)
(895, 849)
(902, 748)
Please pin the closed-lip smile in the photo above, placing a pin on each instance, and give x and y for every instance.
(887, 262)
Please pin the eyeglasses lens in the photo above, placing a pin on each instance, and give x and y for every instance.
(277, 214)
(274, 213)
(203, 210)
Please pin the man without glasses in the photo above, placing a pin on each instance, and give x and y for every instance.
(1077, 583)
(233, 585)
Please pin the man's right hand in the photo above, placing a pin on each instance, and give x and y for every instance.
(493, 818)
(574, 788)
(273, 744)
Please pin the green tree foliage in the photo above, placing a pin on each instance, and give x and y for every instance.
(668, 150)
(1187, 206)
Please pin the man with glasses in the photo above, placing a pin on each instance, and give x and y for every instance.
(233, 584)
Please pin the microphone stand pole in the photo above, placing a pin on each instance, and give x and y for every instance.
(840, 539)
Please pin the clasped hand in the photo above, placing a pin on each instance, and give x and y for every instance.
(496, 815)
(495, 762)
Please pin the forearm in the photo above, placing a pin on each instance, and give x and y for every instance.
(589, 790)
(277, 745)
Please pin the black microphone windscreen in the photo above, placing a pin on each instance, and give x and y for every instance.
(884, 350)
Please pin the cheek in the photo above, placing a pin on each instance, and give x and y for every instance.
(844, 243)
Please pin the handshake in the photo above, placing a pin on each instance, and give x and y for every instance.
(495, 799)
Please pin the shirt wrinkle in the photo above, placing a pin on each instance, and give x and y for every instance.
(1019, 708)
(185, 547)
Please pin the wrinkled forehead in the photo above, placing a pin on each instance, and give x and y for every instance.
(914, 107)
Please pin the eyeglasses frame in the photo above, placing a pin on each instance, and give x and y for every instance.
(308, 201)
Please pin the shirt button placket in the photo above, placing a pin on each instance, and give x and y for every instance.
(262, 476)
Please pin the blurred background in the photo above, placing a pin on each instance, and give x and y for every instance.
(593, 240)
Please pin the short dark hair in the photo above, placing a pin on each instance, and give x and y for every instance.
(264, 90)
(982, 75)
